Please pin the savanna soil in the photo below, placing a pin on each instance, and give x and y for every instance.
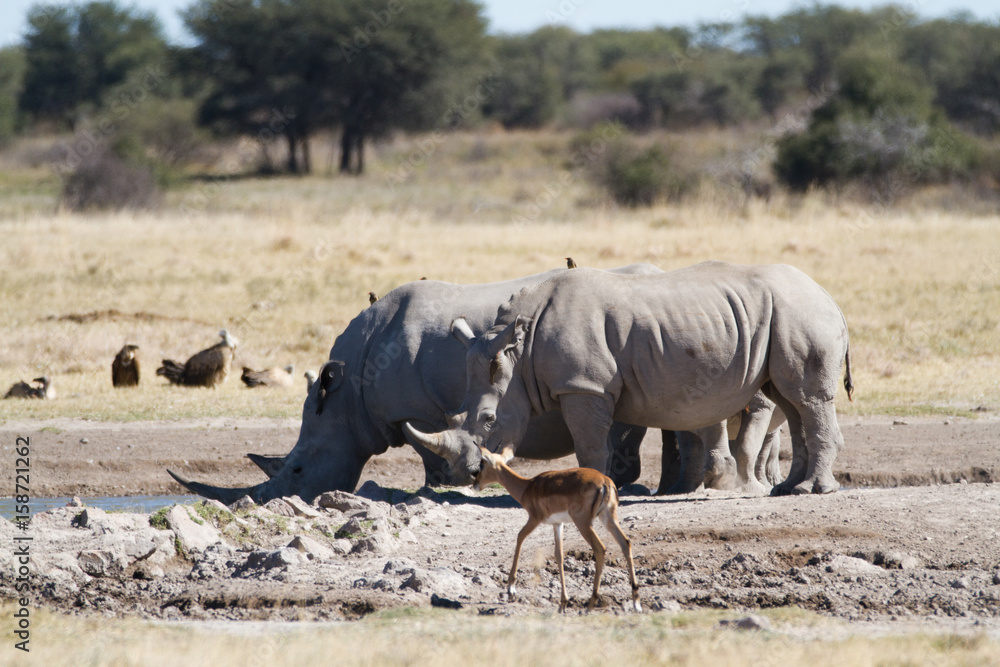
(922, 548)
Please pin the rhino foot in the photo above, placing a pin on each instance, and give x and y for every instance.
(815, 486)
(720, 472)
(755, 488)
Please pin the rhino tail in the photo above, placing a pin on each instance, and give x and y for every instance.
(848, 382)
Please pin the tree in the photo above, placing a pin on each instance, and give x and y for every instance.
(293, 67)
(11, 78)
(76, 54)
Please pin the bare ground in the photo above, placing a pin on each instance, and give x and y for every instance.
(922, 548)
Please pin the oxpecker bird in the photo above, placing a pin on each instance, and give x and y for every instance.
(372, 298)
(205, 369)
(125, 368)
(570, 264)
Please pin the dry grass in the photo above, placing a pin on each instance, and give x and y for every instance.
(286, 263)
(415, 636)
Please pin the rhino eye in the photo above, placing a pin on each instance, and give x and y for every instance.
(489, 419)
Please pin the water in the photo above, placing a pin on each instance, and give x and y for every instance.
(144, 504)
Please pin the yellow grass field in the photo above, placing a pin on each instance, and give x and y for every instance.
(444, 638)
(285, 263)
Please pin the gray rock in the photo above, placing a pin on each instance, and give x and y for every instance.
(280, 507)
(221, 506)
(341, 547)
(193, 536)
(313, 549)
(897, 560)
(666, 605)
(268, 560)
(244, 503)
(850, 565)
(300, 507)
(961, 583)
(399, 566)
(102, 562)
(996, 577)
(379, 544)
(74, 502)
(751, 622)
(440, 581)
(343, 501)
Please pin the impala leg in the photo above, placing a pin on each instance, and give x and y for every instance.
(528, 527)
(557, 528)
(595, 543)
(610, 519)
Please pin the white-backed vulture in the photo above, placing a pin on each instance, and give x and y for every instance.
(272, 377)
(42, 389)
(125, 367)
(208, 368)
(310, 378)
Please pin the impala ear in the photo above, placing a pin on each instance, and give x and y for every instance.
(330, 377)
(507, 453)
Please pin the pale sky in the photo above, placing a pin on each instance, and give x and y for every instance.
(582, 15)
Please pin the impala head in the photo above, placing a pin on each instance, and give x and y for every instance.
(491, 466)
(495, 411)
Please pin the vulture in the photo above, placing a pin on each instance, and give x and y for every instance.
(570, 264)
(125, 368)
(372, 298)
(272, 377)
(205, 369)
(42, 389)
(310, 378)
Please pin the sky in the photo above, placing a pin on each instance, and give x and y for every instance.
(582, 15)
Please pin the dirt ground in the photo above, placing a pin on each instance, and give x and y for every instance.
(911, 538)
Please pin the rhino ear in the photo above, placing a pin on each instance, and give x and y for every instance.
(462, 332)
(511, 337)
(330, 377)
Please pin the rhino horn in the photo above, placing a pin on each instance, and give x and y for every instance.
(271, 465)
(438, 443)
(461, 330)
(260, 493)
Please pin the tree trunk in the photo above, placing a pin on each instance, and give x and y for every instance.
(306, 155)
(351, 151)
(293, 161)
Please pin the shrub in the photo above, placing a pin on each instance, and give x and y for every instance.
(632, 173)
(106, 180)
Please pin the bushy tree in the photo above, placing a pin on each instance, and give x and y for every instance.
(293, 67)
(879, 129)
(75, 54)
(11, 79)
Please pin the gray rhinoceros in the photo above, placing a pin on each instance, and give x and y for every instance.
(681, 350)
(396, 362)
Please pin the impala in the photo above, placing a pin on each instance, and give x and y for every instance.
(579, 495)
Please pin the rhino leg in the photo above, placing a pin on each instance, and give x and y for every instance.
(691, 475)
(588, 417)
(670, 468)
(624, 441)
(747, 446)
(768, 470)
(823, 443)
(800, 455)
(720, 467)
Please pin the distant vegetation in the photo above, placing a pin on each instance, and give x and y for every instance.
(879, 101)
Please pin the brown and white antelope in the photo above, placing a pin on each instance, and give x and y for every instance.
(556, 497)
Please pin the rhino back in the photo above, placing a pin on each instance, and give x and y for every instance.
(659, 344)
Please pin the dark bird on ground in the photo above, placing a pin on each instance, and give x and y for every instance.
(272, 377)
(310, 378)
(125, 368)
(570, 264)
(372, 298)
(205, 369)
(42, 389)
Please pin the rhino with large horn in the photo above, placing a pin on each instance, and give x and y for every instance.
(682, 351)
(397, 362)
